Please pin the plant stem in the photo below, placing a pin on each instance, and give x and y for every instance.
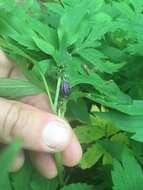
(48, 92)
(60, 168)
(57, 94)
(57, 156)
(54, 107)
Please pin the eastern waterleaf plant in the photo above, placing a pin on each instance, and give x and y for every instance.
(61, 49)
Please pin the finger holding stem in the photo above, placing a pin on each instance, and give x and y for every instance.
(57, 156)
(54, 106)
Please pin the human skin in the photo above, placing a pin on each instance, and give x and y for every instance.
(43, 132)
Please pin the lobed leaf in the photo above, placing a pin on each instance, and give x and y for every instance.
(91, 156)
(123, 175)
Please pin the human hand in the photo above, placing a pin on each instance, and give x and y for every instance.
(43, 132)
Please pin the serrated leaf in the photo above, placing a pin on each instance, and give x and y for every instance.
(14, 88)
(131, 124)
(123, 175)
(134, 108)
(102, 24)
(88, 134)
(44, 31)
(109, 90)
(98, 60)
(91, 156)
(75, 17)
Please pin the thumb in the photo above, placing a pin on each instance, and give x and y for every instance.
(41, 131)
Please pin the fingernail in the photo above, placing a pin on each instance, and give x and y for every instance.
(57, 135)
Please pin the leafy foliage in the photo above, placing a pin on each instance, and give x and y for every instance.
(96, 46)
(6, 159)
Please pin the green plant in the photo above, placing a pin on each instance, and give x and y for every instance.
(95, 46)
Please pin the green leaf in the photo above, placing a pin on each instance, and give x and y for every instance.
(88, 134)
(14, 88)
(22, 178)
(44, 31)
(120, 138)
(91, 156)
(73, 17)
(7, 4)
(102, 24)
(128, 174)
(107, 159)
(97, 59)
(109, 90)
(79, 186)
(81, 113)
(43, 45)
(131, 124)
(25, 41)
(6, 159)
(113, 148)
(40, 183)
(55, 7)
(134, 108)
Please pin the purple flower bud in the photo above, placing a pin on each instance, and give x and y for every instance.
(65, 88)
